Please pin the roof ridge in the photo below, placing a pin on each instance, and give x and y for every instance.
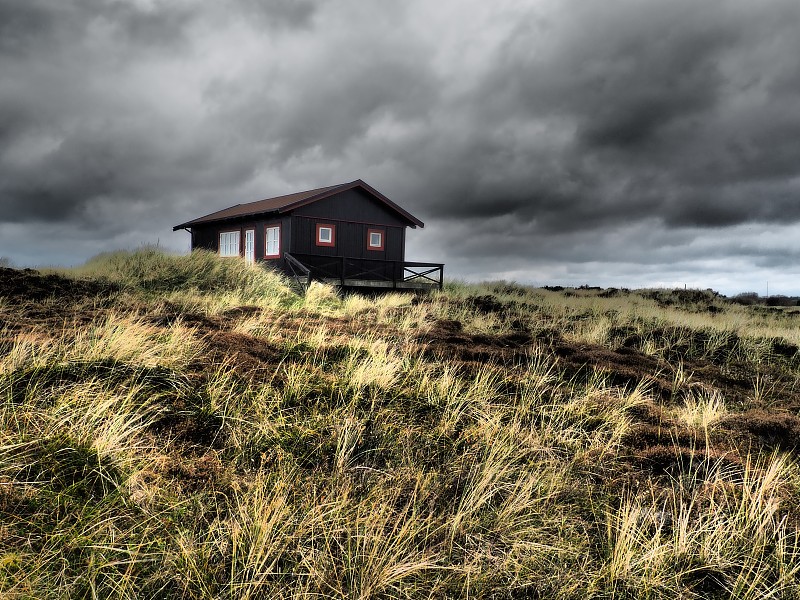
(291, 201)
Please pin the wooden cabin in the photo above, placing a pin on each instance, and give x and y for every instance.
(349, 235)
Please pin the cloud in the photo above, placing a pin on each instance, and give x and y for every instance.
(530, 136)
(638, 111)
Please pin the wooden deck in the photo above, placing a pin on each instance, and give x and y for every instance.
(364, 272)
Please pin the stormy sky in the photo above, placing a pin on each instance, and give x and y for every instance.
(618, 143)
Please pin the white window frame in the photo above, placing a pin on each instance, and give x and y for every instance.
(276, 243)
(331, 237)
(370, 244)
(229, 243)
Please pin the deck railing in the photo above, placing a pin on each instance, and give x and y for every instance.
(424, 273)
(300, 273)
(347, 271)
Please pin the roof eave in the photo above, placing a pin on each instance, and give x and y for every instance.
(190, 224)
(414, 220)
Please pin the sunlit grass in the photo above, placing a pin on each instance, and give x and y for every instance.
(726, 537)
(390, 447)
(702, 408)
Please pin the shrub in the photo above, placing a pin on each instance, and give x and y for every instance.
(746, 298)
(781, 301)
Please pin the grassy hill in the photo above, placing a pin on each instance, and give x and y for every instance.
(187, 427)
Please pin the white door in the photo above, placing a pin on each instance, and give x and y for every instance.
(250, 246)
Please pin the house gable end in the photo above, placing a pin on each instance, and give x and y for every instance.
(368, 191)
(353, 205)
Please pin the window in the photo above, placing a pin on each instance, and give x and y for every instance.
(326, 234)
(375, 239)
(229, 243)
(272, 235)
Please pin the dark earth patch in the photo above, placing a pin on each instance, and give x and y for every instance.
(776, 430)
(29, 285)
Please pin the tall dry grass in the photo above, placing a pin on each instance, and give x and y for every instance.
(140, 460)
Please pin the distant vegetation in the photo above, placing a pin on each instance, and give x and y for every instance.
(190, 427)
(751, 298)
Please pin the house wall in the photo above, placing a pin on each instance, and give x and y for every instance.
(353, 205)
(354, 213)
(350, 239)
(207, 237)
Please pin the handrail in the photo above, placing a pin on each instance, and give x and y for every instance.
(296, 263)
(422, 264)
(343, 268)
(375, 260)
(424, 275)
(295, 266)
(431, 268)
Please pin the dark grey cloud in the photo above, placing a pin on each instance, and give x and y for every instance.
(668, 109)
(275, 14)
(537, 139)
(36, 27)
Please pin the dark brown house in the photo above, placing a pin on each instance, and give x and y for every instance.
(348, 234)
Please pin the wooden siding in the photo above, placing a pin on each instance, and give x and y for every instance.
(395, 243)
(208, 237)
(355, 206)
(351, 239)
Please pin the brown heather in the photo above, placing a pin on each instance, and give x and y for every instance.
(188, 427)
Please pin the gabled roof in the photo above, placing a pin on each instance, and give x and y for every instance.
(282, 204)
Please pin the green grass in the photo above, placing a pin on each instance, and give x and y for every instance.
(170, 443)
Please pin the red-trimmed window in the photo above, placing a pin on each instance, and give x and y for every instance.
(376, 239)
(272, 241)
(326, 234)
(229, 243)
